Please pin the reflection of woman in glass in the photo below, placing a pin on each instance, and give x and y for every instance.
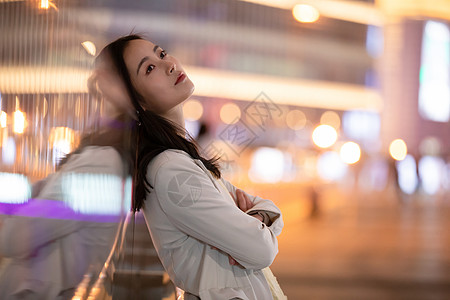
(67, 229)
(213, 245)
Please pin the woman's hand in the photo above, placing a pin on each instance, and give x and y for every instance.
(244, 203)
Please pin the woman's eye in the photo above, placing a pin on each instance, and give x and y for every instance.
(149, 69)
(163, 54)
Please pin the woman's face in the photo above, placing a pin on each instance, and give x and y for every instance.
(158, 77)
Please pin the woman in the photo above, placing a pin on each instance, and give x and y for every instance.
(212, 238)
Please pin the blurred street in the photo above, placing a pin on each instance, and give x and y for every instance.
(368, 248)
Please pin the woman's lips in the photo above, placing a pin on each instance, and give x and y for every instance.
(180, 78)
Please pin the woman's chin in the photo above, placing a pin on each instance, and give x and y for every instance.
(190, 90)
(191, 84)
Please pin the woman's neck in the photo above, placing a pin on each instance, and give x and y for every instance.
(176, 115)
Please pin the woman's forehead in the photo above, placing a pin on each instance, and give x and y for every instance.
(136, 51)
(140, 46)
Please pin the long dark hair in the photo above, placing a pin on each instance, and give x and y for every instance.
(153, 133)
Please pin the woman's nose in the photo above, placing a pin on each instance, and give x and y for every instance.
(171, 68)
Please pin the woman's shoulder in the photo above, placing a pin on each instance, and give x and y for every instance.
(170, 162)
(169, 156)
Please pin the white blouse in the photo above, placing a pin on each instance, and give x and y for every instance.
(189, 212)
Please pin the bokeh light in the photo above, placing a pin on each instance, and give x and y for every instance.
(295, 119)
(331, 118)
(267, 165)
(361, 125)
(430, 146)
(230, 113)
(407, 174)
(434, 89)
(3, 119)
(93, 193)
(89, 47)
(14, 188)
(324, 136)
(193, 110)
(19, 121)
(305, 13)
(398, 149)
(350, 153)
(330, 166)
(431, 172)
(64, 140)
(44, 4)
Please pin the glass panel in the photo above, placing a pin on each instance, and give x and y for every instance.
(64, 183)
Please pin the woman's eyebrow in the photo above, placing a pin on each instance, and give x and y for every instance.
(140, 64)
(145, 59)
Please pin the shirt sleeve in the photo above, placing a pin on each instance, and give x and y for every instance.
(196, 207)
(261, 205)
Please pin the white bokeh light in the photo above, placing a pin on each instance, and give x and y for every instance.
(431, 172)
(14, 188)
(407, 174)
(267, 165)
(330, 166)
(324, 136)
(350, 153)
